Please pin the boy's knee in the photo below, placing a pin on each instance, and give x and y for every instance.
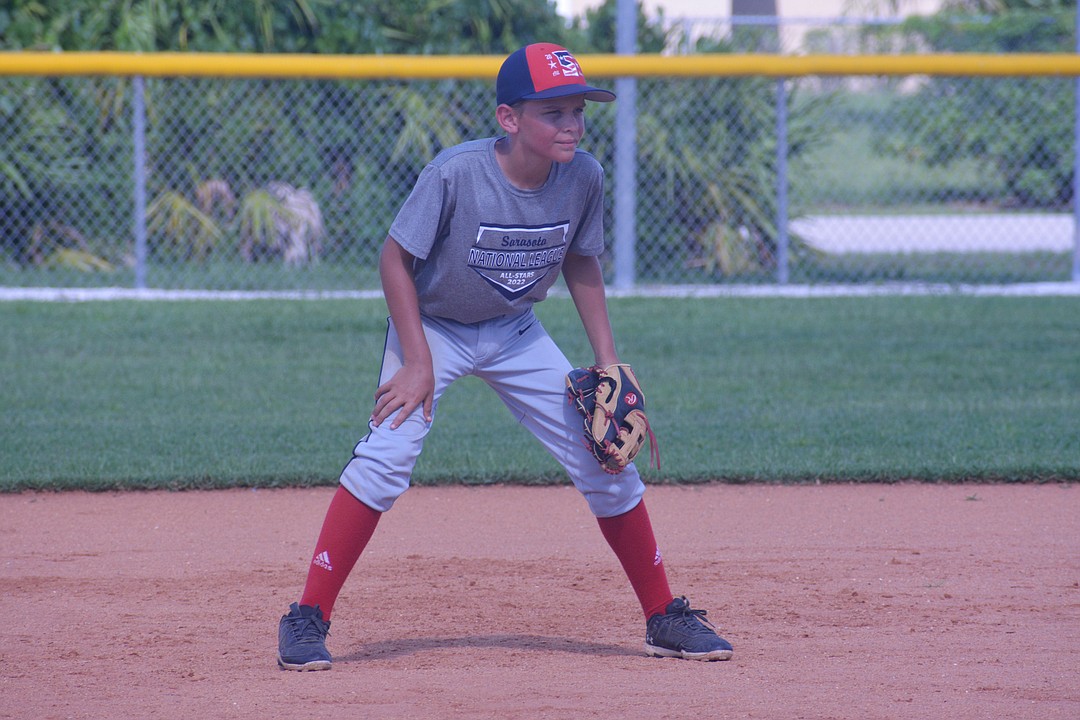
(378, 491)
(382, 464)
(618, 494)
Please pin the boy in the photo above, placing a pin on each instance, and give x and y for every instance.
(484, 235)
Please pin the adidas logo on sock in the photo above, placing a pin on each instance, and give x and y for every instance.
(659, 558)
(323, 561)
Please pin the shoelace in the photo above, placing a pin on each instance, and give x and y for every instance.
(309, 629)
(701, 626)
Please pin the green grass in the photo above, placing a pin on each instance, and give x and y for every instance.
(947, 268)
(809, 267)
(352, 273)
(212, 394)
(847, 173)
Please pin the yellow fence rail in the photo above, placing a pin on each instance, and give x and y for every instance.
(456, 66)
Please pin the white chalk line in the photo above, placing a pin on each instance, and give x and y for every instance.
(1039, 289)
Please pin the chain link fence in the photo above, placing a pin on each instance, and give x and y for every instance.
(291, 184)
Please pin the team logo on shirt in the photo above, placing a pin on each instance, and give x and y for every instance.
(514, 259)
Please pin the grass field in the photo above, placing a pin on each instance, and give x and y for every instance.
(211, 394)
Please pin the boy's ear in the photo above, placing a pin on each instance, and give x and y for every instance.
(507, 118)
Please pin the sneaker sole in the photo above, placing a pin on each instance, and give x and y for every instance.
(654, 651)
(304, 667)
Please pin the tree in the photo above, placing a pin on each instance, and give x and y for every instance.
(424, 27)
(1018, 128)
(596, 30)
(708, 143)
(36, 194)
(159, 25)
(53, 159)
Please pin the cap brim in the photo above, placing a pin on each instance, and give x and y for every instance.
(591, 93)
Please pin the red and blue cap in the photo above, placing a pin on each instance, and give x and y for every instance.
(542, 71)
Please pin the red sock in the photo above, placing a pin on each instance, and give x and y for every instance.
(346, 530)
(630, 535)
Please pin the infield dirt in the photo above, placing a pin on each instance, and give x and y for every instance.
(842, 601)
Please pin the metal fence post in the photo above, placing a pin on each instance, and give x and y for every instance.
(138, 113)
(1076, 164)
(782, 271)
(625, 150)
(625, 192)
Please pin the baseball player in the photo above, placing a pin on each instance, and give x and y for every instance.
(483, 236)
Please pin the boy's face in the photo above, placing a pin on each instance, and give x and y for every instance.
(552, 128)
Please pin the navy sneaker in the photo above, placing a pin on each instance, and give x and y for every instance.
(680, 632)
(302, 639)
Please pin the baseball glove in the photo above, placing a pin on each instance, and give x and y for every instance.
(613, 406)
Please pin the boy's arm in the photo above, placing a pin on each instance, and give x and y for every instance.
(413, 385)
(585, 281)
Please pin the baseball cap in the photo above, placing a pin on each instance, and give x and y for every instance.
(541, 71)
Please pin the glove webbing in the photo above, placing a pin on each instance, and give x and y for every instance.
(654, 446)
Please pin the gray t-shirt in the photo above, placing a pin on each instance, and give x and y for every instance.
(486, 248)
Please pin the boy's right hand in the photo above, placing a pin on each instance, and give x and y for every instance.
(411, 387)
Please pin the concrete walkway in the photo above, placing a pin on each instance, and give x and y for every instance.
(976, 232)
